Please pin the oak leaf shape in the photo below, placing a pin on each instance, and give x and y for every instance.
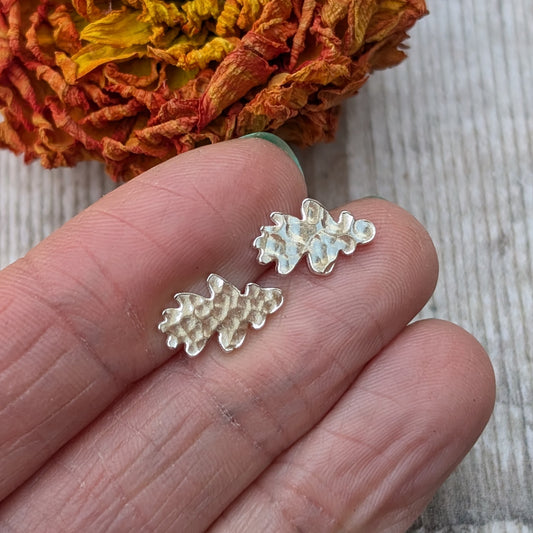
(316, 235)
(226, 312)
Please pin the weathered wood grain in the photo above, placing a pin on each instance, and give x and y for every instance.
(449, 136)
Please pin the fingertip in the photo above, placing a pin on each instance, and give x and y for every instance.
(446, 372)
(437, 386)
(258, 162)
(399, 230)
(280, 143)
(400, 264)
(464, 365)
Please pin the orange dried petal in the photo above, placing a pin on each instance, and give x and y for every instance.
(133, 82)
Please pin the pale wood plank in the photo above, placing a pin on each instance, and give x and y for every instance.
(34, 202)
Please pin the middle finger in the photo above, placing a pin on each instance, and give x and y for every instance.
(186, 441)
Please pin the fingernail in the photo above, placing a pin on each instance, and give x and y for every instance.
(279, 142)
(374, 197)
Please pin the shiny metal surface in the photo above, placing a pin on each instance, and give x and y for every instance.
(226, 312)
(316, 235)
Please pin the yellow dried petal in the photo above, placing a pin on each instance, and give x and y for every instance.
(159, 12)
(361, 14)
(197, 11)
(185, 56)
(68, 67)
(94, 55)
(227, 19)
(119, 29)
(251, 11)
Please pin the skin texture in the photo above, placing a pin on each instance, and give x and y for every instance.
(336, 416)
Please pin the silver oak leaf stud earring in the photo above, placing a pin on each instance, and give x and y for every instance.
(315, 234)
(226, 312)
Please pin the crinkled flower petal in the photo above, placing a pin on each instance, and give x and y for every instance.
(134, 82)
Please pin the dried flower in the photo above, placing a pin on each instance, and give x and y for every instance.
(133, 82)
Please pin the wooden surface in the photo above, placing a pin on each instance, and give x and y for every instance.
(449, 136)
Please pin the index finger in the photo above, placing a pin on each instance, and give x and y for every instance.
(78, 313)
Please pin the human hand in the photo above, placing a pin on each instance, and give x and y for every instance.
(337, 416)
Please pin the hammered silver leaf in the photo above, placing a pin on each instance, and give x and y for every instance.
(316, 235)
(226, 312)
